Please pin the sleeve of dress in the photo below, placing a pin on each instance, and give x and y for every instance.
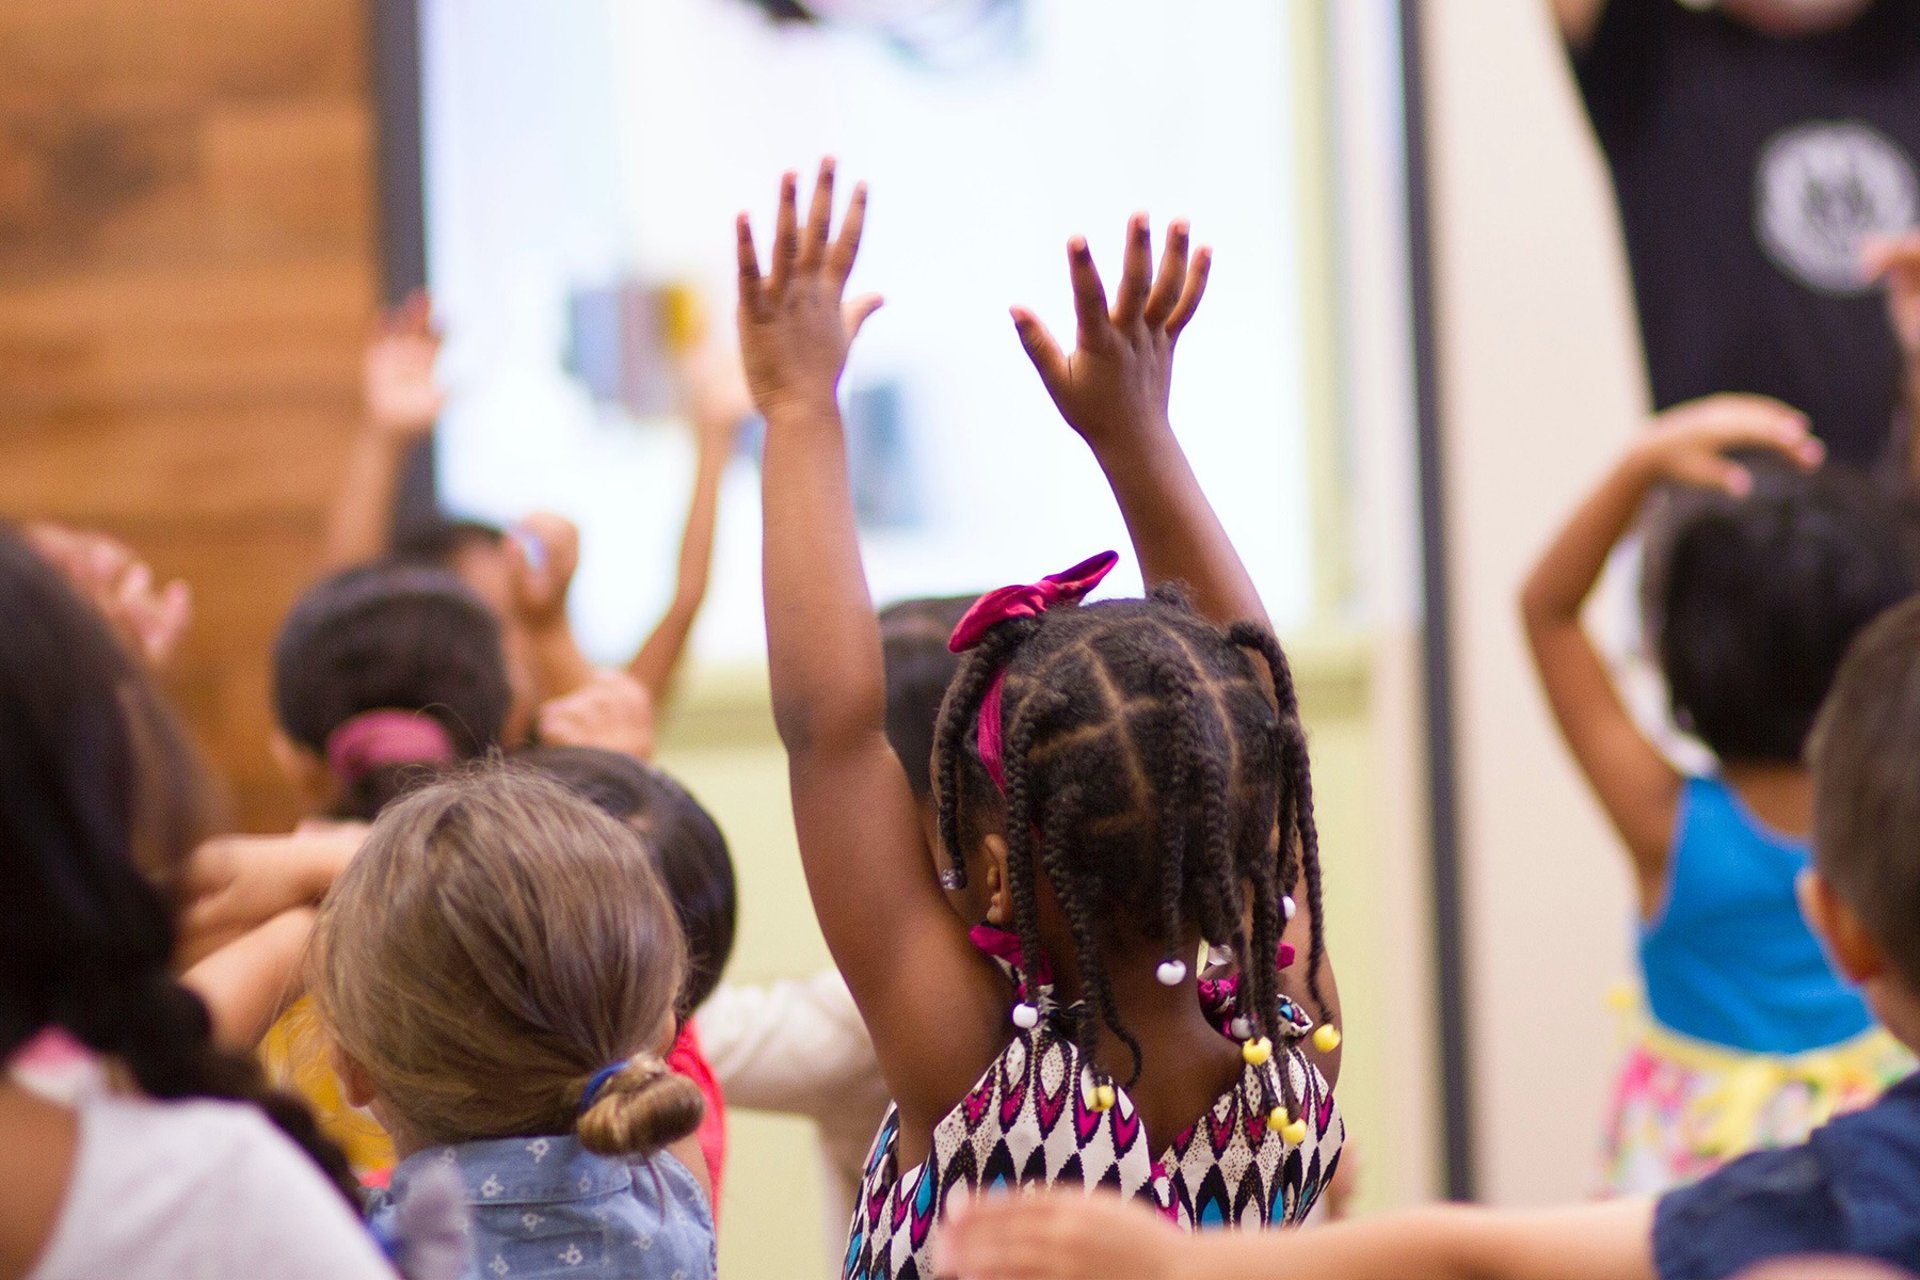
(795, 1046)
(1767, 1205)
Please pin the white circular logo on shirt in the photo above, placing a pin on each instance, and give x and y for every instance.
(1822, 190)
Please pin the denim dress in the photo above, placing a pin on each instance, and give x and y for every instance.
(542, 1207)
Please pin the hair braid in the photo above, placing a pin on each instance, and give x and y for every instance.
(1020, 844)
(1297, 795)
(958, 711)
(1056, 840)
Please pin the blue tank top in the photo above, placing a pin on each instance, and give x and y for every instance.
(1730, 960)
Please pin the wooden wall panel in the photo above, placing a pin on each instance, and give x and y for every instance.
(187, 267)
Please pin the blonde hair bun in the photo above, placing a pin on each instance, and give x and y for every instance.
(641, 1108)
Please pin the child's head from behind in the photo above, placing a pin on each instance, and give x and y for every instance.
(681, 836)
(920, 666)
(495, 947)
(382, 675)
(1147, 776)
(1866, 838)
(1755, 601)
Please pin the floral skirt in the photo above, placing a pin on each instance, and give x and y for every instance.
(1682, 1108)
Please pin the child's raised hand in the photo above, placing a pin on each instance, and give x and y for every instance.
(1689, 443)
(404, 399)
(1117, 378)
(1896, 265)
(613, 712)
(796, 325)
(1055, 1235)
(544, 551)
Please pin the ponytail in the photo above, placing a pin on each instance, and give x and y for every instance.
(637, 1108)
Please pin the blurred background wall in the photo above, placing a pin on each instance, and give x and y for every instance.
(187, 271)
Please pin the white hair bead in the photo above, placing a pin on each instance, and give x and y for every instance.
(1287, 907)
(1242, 1029)
(1171, 972)
(1025, 1016)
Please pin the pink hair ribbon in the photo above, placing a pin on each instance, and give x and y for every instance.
(386, 737)
(1030, 600)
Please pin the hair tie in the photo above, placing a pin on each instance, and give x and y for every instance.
(598, 1081)
(1030, 600)
(373, 739)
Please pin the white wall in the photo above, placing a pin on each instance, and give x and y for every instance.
(1541, 385)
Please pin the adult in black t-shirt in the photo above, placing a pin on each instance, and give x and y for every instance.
(1756, 146)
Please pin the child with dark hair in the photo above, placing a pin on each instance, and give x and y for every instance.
(1753, 602)
(385, 676)
(382, 675)
(691, 856)
(130, 1144)
(920, 665)
(1852, 1189)
(1123, 781)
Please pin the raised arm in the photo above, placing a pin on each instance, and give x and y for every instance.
(1687, 444)
(1896, 265)
(1113, 388)
(543, 552)
(860, 838)
(1068, 1236)
(403, 400)
(1578, 20)
(719, 406)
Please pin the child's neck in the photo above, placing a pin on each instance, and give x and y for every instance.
(1780, 795)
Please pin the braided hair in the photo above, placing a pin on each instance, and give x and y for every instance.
(1148, 772)
(101, 801)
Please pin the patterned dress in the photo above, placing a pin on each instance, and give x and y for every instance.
(1030, 1122)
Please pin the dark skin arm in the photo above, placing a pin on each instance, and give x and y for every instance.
(1636, 786)
(1113, 390)
(889, 928)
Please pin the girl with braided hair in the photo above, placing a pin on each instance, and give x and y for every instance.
(1120, 784)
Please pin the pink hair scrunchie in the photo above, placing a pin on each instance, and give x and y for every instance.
(374, 739)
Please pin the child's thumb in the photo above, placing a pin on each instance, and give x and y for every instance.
(857, 310)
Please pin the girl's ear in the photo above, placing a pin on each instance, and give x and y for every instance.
(999, 897)
(356, 1086)
(1855, 953)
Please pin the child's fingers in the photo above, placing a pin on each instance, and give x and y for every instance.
(1089, 295)
(847, 247)
(1045, 353)
(751, 288)
(813, 245)
(1171, 279)
(1137, 267)
(786, 235)
(1190, 295)
(854, 312)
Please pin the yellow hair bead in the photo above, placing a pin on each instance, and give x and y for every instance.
(1278, 1119)
(1103, 1097)
(1327, 1038)
(1257, 1052)
(1295, 1133)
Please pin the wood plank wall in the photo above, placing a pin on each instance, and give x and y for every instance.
(187, 267)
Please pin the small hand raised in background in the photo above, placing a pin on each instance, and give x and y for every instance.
(148, 618)
(1689, 443)
(613, 712)
(544, 551)
(1895, 264)
(796, 324)
(403, 397)
(1120, 372)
